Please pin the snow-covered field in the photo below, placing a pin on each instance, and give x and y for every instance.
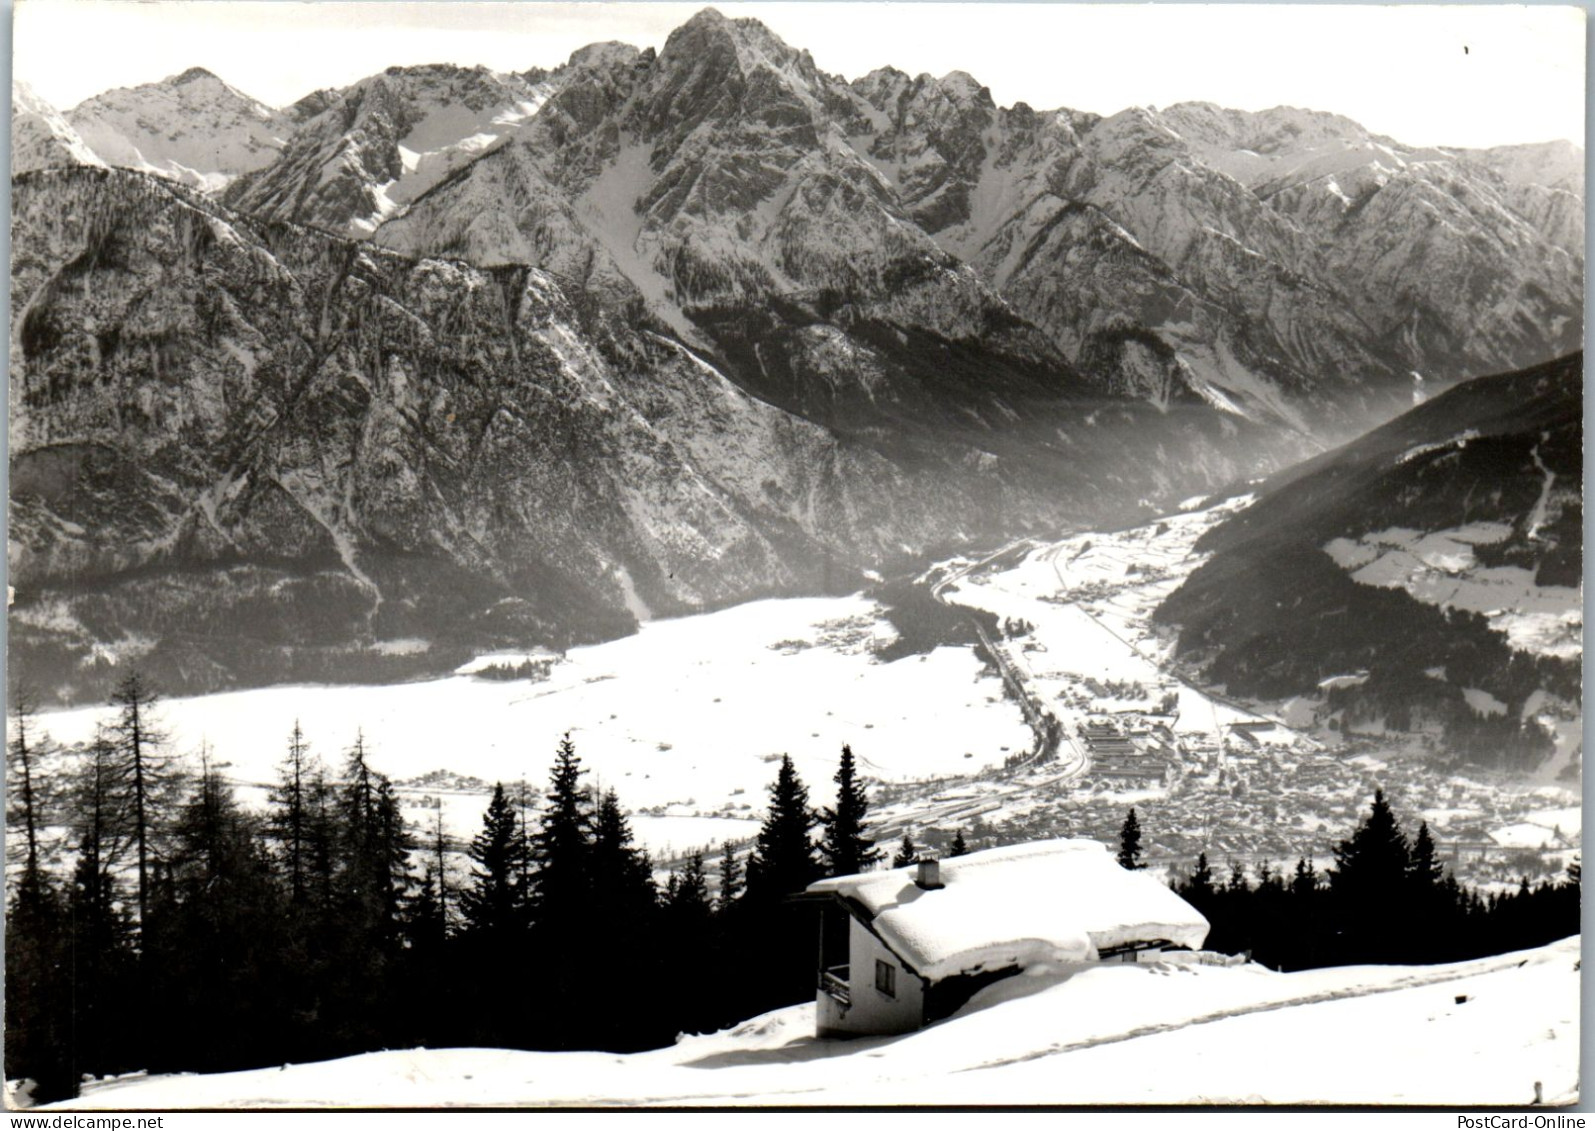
(687, 719)
(1440, 568)
(1470, 1034)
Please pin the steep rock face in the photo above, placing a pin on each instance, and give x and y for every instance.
(245, 451)
(191, 127)
(40, 137)
(729, 171)
(714, 186)
(1286, 266)
(1424, 578)
(361, 154)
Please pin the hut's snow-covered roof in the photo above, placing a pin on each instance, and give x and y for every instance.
(1047, 901)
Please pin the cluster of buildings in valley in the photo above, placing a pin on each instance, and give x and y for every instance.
(1252, 794)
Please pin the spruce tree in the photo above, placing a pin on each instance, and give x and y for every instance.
(624, 907)
(431, 917)
(844, 846)
(1424, 867)
(1370, 885)
(1305, 882)
(560, 847)
(289, 819)
(730, 879)
(958, 847)
(371, 873)
(562, 931)
(495, 907)
(1130, 843)
(1376, 858)
(782, 864)
(783, 861)
(496, 923)
(1198, 888)
(908, 853)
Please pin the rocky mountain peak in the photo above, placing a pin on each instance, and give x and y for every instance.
(191, 127)
(194, 74)
(610, 53)
(964, 87)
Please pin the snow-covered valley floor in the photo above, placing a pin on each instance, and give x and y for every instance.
(1473, 1034)
(686, 720)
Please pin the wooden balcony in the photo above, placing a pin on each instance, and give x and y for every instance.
(833, 980)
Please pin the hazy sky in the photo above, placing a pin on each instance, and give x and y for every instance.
(1479, 75)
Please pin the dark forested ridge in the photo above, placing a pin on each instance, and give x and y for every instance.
(1271, 614)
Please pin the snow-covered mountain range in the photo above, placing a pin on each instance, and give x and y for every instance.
(1287, 265)
(665, 331)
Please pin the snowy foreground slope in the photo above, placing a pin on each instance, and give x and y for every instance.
(1110, 1034)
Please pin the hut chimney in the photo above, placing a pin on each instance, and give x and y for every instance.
(929, 874)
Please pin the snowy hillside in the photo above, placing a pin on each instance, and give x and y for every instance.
(191, 127)
(1478, 1033)
(1440, 555)
(40, 136)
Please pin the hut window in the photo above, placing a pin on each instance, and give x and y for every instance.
(886, 978)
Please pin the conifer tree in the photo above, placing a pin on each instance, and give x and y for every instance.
(1369, 886)
(688, 897)
(217, 939)
(146, 772)
(363, 939)
(375, 848)
(844, 846)
(429, 962)
(620, 873)
(102, 958)
(290, 813)
(958, 847)
(562, 930)
(27, 801)
(1130, 843)
(525, 802)
(1424, 866)
(783, 860)
(691, 941)
(38, 988)
(560, 847)
(495, 906)
(782, 864)
(1199, 887)
(908, 853)
(430, 917)
(1375, 860)
(730, 879)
